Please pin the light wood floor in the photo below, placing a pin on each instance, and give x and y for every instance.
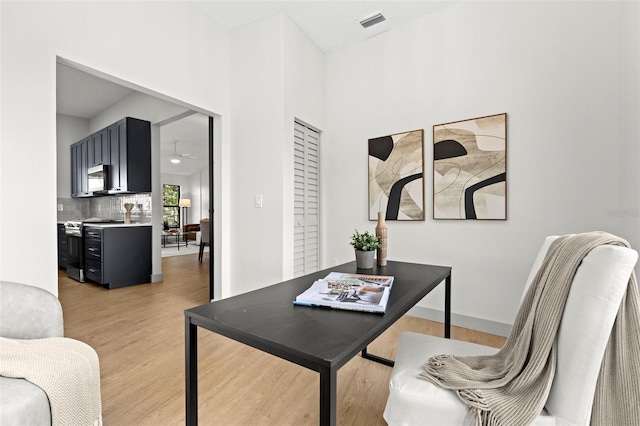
(138, 333)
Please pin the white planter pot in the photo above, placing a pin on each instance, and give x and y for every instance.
(365, 259)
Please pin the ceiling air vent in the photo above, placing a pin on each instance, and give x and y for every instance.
(370, 20)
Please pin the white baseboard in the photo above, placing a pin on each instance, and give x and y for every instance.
(156, 278)
(486, 326)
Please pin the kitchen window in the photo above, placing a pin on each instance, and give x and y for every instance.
(170, 207)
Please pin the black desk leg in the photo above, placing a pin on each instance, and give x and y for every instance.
(366, 355)
(447, 307)
(191, 372)
(328, 396)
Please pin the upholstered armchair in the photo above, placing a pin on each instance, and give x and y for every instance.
(594, 298)
(32, 315)
(26, 312)
(190, 231)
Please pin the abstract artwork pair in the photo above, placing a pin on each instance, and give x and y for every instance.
(469, 172)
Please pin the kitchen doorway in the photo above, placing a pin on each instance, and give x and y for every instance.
(187, 152)
(86, 96)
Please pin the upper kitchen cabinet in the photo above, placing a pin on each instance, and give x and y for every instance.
(125, 148)
(99, 148)
(130, 152)
(79, 167)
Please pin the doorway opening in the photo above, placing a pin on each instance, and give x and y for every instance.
(80, 110)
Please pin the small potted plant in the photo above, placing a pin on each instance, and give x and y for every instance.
(365, 245)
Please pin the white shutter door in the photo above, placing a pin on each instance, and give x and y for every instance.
(306, 231)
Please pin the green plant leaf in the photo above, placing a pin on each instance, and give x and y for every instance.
(365, 241)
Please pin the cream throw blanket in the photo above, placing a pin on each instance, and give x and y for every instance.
(511, 387)
(66, 369)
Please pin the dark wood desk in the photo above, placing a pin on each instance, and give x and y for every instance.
(322, 340)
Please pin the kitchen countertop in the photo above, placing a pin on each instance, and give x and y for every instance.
(114, 225)
(105, 224)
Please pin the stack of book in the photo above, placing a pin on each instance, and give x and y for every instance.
(357, 292)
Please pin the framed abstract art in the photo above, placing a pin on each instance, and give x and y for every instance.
(470, 169)
(396, 176)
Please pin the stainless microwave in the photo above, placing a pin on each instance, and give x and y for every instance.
(98, 178)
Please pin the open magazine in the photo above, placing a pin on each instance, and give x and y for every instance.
(357, 292)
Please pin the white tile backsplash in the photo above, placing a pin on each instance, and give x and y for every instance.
(109, 207)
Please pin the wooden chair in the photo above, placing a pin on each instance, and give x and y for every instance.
(204, 237)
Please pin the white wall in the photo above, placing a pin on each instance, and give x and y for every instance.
(128, 40)
(256, 130)
(270, 59)
(304, 86)
(630, 203)
(199, 182)
(555, 68)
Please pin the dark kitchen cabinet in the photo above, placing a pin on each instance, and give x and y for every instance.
(118, 256)
(114, 153)
(125, 147)
(75, 173)
(130, 155)
(79, 167)
(99, 148)
(62, 247)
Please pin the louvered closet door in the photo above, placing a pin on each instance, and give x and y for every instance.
(306, 232)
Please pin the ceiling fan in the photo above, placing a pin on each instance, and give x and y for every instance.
(176, 157)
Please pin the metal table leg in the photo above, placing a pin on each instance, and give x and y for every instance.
(385, 361)
(328, 396)
(191, 372)
(447, 307)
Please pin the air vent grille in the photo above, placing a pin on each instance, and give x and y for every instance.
(370, 20)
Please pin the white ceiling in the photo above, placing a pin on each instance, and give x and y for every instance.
(330, 24)
(192, 135)
(83, 95)
(80, 94)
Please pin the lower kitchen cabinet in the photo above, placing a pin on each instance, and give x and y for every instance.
(62, 247)
(118, 256)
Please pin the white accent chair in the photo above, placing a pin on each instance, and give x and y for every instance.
(595, 296)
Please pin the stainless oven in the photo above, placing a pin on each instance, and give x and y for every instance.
(75, 250)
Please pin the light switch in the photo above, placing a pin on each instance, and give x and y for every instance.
(60, 207)
(257, 202)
